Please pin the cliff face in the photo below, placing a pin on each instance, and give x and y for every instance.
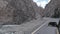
(52, 9)
(17, 11)
(5, 13)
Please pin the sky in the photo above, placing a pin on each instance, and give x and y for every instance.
(42, 3)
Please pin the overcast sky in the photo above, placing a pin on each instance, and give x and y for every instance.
(41, 3)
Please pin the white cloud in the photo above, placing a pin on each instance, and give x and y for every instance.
(35, 0)
(41, 3)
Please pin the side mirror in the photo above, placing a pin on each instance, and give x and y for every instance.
(53, 24)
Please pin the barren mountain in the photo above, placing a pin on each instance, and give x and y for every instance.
(17, 11)
(52, 9)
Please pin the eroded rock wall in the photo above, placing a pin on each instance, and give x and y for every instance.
(17, 11)
(52, 9)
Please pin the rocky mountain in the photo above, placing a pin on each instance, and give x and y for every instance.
(17, 11)
(52, 9)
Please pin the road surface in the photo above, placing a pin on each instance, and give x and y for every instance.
(45, 29)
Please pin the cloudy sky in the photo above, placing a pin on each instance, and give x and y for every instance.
(41, 3)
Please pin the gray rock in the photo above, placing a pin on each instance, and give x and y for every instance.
(52, 9)
(18, 11)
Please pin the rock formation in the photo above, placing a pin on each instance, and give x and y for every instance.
(52, 9)
(17, 11)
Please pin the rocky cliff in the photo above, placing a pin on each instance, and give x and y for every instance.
(17, 11)
(52, 9)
